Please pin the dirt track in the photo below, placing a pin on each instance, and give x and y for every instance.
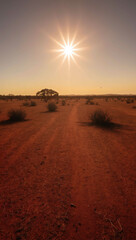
(63, 179)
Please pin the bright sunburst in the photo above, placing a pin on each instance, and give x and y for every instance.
(68, 49)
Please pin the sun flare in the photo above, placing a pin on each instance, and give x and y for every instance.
(68, 49)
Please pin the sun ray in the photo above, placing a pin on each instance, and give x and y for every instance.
(79, 42)
(60, 44)
(58, 56)
(57, 50)
(62, 37)
(80, 49)
(76, 54)
(73, 39)
(74, 59)
(64, 58)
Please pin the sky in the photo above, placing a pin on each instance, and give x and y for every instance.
(105, 33)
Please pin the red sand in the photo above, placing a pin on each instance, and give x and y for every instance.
(61, 179)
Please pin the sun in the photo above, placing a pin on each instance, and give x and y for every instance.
(68, 49)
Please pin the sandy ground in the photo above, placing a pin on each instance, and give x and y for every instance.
(61, 179)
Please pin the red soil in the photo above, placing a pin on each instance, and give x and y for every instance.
(63, 179)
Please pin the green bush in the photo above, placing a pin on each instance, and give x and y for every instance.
(100, 118)
(16, 115)
(52, 107)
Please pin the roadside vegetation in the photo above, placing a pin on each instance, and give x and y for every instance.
(100, 118)
(129, 100)
(16, 115)
(26, 104)
(33, 104)
(29, 104)
(52, 107)
(63, 102)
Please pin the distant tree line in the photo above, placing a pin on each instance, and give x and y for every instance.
(46, 94)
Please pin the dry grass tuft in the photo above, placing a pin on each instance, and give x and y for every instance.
(52, 107)
(16, 115)
(33, 104)
(100, 118)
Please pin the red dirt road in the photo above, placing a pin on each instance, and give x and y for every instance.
(61, 179)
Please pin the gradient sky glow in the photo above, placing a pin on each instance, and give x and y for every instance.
(107, 64)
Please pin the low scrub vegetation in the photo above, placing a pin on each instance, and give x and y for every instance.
(100, 118)
(87, 101)
(33, 104)
(90, 102)
(16, 115)
(63, 102)
(52, 107)
(129, 100)
(26, 104)
(29, 104)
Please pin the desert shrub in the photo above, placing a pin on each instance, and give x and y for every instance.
(100, 118)
(16, 115)
(32, 104)
(63, 102)
(92, 103)
(26, 104)
(129, 100)
(51, 107)
(87, 101)
(89, 98)
(119, 98)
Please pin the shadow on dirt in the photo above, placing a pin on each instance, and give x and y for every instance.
(49, 111)
(8, 122)
(109, 126)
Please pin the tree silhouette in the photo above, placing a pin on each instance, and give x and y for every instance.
(47, 94)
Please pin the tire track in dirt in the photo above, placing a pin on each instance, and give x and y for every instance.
(55, 185)
(8, 130)
(103, 188)
(18, 147)
(34, 186)
(122, 182)
(80, 217)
